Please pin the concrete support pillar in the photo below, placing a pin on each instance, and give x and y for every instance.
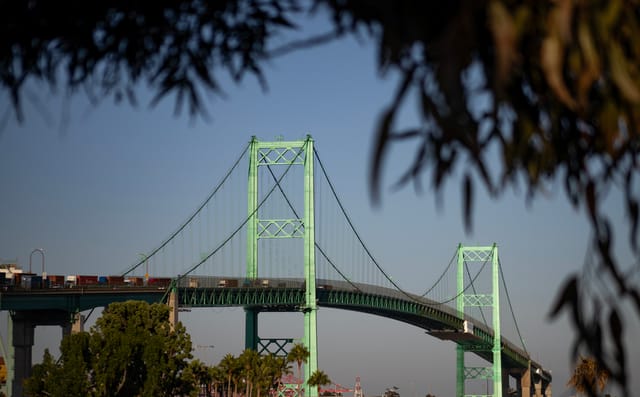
(21, 333)
(525, 383)
(173, 306)
(538, 387)
(78, 323)
(251, 337)
(505, 382)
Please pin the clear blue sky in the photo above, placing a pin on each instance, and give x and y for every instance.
(114, 181)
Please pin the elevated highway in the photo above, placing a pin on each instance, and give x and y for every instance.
(267, 294)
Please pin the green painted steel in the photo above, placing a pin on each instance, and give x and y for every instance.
(497, 337)
(252, 210)
(283, 295)
(311, 308)
(277, 347)
(493, 340)
(460, 309)
(283, 153)
(75, 300)
(251, 314)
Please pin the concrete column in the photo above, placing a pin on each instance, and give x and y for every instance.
(538, 387)
(21, 333)
(251, 337)
(505, 382)
(22, 330)
(525, 383)
(173, 306)
(78, 323)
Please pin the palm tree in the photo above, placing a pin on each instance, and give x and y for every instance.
(202, 375)
(281, 367)
(298, 354)
(588, 376)
(228, 366)
(249, 362)
(318, 378)
(264, 373)
(217, 377)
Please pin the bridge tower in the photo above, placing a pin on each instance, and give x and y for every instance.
(286, 153)
(479, 255)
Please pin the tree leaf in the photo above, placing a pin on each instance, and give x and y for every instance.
(468, 202)
(551, 60)
(502, 26)
(569, 295)
(620, 74)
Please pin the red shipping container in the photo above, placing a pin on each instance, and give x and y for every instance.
(86, 280)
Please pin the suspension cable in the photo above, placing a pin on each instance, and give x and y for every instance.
(468, 285)
(441, 276)
(204, 259)
(344, 212)
(504, 283)
(193, 215)
(295, 213)
(473, 287)
(375, 262)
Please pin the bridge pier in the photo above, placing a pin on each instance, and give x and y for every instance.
(21, 337)
(77, 325)
(173, 307)
(538, 389)
(251, 337)
(524, 386)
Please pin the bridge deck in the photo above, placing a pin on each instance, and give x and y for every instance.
(286, 295)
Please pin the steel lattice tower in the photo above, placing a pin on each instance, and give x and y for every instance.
(479, 254)
(288, 153)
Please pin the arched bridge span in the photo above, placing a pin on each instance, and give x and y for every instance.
(286, 295)
(437, 319)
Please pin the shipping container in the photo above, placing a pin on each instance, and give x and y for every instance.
(115, 280)
(31, 281)
(134, 281)
(193, 283)
(159, 281)
(102, 280)
(228, 283)
(55, 281)
(17, 278)
(82, 280)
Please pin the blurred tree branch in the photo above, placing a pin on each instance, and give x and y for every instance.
(562, 78)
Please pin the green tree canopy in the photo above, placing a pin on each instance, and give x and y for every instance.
(298, 354)
(560, 82)
(318, 378)
(131, 351)
(258, 374)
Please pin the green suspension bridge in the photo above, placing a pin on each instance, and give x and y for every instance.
(291, 247)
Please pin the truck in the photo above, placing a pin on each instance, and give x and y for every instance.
(228, 283)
